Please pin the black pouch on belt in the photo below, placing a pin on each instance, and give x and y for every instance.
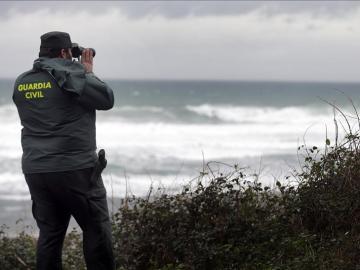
(96, 196)
(99, 167)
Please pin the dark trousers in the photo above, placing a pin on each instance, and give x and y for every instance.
(58, 195)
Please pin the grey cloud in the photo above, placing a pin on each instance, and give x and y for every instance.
(199, 8)
(181, 9)
(188, 8)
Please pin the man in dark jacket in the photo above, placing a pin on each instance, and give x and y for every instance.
(56, 102)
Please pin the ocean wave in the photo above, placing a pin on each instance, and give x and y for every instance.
(137, 114)
(164, 148)
(234, 114)
(9, 113)
(153, 109)
(217, 114)
(187, 141)
(10, 132)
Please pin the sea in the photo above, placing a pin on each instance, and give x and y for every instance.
(161, 134)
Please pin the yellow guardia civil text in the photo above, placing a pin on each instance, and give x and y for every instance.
(34, 90)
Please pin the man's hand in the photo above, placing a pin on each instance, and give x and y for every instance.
(87, 60)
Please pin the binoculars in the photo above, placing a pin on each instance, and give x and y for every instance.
(77, 50)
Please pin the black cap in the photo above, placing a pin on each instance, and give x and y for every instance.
(55, 40)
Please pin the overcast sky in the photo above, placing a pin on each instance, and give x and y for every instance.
(261, 40)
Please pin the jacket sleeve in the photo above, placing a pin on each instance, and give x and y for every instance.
(96, 94)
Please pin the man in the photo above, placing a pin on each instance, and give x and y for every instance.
(56, 102)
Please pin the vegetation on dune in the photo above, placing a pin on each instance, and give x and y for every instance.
(226, 219)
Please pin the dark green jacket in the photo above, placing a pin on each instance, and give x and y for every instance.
(56, 102)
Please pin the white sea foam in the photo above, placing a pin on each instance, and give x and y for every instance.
(138, 147)
(10, 132)
(13, 186)
(188, 141)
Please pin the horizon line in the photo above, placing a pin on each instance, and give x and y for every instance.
(218, 80)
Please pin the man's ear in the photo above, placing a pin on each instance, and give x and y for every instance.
(63, 53)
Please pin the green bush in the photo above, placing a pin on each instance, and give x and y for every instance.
(16, 252)
(229, 223)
